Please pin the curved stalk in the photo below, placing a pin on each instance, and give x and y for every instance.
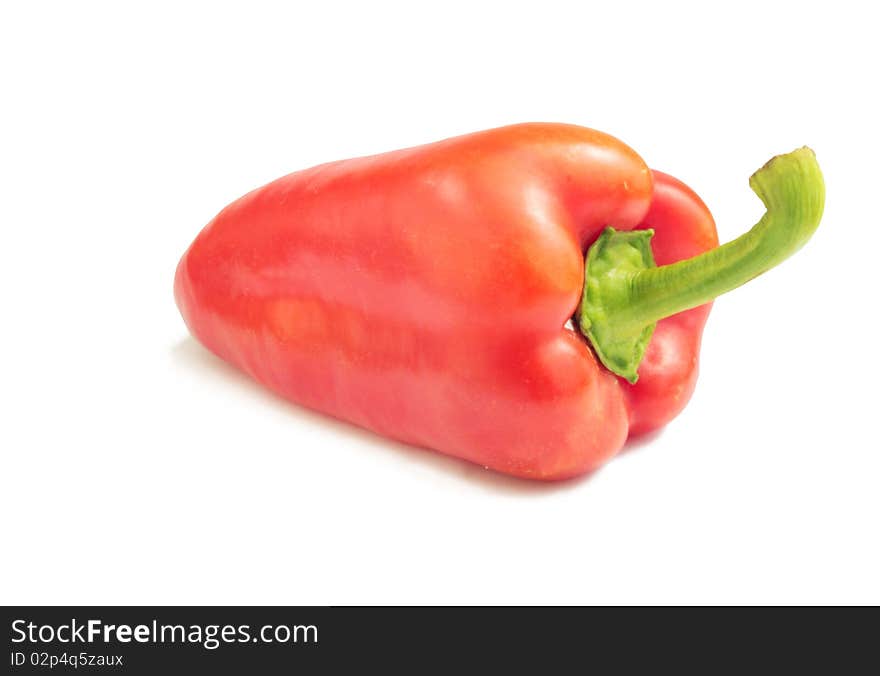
(625, 294)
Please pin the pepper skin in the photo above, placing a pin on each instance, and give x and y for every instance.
(424, 293)
(683, 228)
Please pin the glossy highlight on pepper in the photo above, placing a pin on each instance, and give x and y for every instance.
(424, 293)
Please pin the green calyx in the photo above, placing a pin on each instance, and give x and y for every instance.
(625, 293)
(615, 258)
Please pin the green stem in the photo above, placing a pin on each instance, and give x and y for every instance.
(625, 294)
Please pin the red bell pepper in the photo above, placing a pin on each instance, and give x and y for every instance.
(425, 293)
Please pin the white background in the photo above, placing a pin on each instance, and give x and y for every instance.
(137, 468)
